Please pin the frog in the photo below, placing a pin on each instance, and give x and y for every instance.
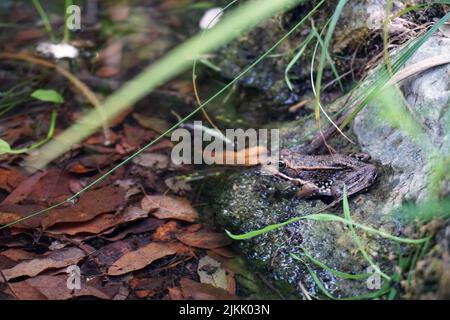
(324, 176)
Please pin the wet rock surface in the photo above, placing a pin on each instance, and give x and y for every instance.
(248, 201)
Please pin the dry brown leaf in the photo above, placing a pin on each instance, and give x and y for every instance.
(175, 294)
(155, 161)
(24, 291)
(135, 136)
(200, 291)
(224, 252)
(12, 212)
(94, 226)
(24, 189)
(143, 256)
(204, 240)
(168, 207)
(18, 254)
(146, 225)
(53, 288)
(155, 124)
(6, 263)
(10, 179)
(166, 232)
(49, 186)
(112, 252)
(100, 223)
(91, 204)
(148, 287)
(56, 259)
(91, 162)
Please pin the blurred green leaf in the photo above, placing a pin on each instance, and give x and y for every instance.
(47, 95)
(4, 147)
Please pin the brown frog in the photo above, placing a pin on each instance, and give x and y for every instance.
(326, 175)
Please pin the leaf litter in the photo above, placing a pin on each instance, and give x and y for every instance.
(134, 235)
(145, 238)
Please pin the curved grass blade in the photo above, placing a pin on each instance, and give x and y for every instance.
(355, 237)
(327, 218)
(340, 274)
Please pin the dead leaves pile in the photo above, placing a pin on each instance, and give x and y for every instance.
(132, 236)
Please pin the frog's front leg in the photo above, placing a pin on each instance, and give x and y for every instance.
(307, 188)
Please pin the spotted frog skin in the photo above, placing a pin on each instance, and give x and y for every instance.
(326, 175)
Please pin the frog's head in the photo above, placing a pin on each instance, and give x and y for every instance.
(285, 168)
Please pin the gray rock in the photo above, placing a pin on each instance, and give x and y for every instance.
(428, 95)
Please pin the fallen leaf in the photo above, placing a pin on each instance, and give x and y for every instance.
(156, 124)
(135, 136)
(224, 252)
(12, 212)
(231, 283)
(6, 263)
(175, 294)
(91, 162)
(111, 59)
(143, 256)
(204, 240)
(18, 254)
(53, 288)
(166, 232)
(50, 186)
(24, 291)
(201, 291)
(91, 204)
(146, 225)
(168, 207)
(177, 185)
(56, 259)
(155, 161)
(94, 226)
(24, 189)
(10, 179)
(100, 223)
(148, 287)
(162, 145)
(112, 252)
(211, 272)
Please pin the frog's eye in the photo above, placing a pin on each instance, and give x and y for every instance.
(281, 164)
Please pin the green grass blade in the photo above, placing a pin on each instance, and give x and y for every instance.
(44, 18)
(294, 60)
(356, 239)
(327, 218)
(322, 59)
(340, 274)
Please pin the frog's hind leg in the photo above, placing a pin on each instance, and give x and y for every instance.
(357, 182)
